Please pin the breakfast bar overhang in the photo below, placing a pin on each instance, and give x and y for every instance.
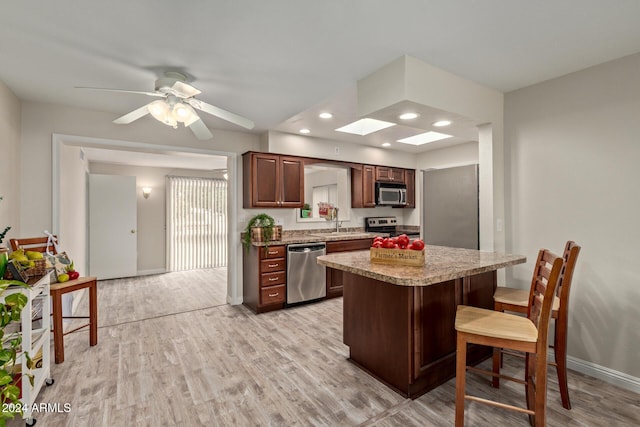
(399, 320)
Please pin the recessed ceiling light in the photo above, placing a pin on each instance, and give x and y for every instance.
(325, 115)
(305, 130)
(365, 126)
(408, 116)
(386, 144)
(441, 123)
(424, 138)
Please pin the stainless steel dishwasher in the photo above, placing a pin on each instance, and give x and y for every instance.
(306, 280)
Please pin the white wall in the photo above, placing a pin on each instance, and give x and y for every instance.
(73, 208)
(41, 121)
(10, 182)
(572, 148)
(152, 211)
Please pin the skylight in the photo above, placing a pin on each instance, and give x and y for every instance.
(424, 138)
(365, 126)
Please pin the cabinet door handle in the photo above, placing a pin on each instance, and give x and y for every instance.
(273, 265)
(274, 295)
(273, 279)
(272, 252)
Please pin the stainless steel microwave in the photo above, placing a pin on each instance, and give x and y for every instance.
(391, 194)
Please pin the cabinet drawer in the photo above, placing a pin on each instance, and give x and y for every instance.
(271, 265)
(276, 278)
(272, 295)
(273, 252)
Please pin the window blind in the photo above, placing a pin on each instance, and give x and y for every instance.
(196, 223)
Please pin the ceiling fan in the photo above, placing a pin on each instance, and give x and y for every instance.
(177, 105)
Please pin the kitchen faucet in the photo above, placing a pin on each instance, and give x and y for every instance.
(335, 212)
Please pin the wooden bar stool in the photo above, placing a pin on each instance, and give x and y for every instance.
(516, 300)
(528, 334)
(46, 245)
(59, 289)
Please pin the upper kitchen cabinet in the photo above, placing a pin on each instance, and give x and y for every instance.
(363, 183)
(410, 181)
(272, 181)
(388, 174)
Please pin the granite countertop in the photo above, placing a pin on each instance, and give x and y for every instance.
(441, 264)
(289, 238)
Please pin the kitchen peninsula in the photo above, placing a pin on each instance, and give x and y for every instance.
(399, 320)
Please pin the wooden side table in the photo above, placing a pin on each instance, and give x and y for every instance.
(59, 289)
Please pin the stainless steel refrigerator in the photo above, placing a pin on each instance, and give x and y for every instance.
(450, 207)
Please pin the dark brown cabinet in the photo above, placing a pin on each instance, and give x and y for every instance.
(410, 181)
(363, 182)
(388, 174)
(335, 277)
(264, 272)
(272, 181)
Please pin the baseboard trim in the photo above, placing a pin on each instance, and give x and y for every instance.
(232, 301)
(603, 373)
(150, 272)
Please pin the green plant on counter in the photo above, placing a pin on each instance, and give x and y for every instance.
(262, 220)
(10, 311)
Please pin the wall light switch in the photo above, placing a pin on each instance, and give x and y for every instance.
(499, 224)
(336, 150)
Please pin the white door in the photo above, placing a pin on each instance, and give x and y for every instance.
(113, 242)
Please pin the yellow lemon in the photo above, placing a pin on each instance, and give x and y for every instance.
(64, 277)
(33, 255)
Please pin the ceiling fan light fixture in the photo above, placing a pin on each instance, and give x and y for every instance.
(159, 109)
(184, 113)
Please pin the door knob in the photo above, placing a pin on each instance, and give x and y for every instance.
(133, 231)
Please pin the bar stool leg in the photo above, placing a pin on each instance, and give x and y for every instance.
(560, 354)
(58, 332)
(497, 363)
(461, 377)
(93, 314)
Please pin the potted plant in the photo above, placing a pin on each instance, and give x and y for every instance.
(261, 225)
(10, 353)
(305, 212)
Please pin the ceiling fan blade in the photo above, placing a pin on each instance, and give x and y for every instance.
(200, 130)
(184, 90)
(161, 95)
(219, 112)
(134, 115)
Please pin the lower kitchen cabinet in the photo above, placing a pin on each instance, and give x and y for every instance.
(335, 277)
(264, 278)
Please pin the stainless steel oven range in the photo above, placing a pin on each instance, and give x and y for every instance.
(389, 225)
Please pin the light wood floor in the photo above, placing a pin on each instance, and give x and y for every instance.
(171, 353)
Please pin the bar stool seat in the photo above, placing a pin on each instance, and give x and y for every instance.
(517, 297)
(494, 324)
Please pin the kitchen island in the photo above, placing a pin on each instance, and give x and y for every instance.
(399, 320)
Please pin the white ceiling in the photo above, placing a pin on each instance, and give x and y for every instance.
(277, 62)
